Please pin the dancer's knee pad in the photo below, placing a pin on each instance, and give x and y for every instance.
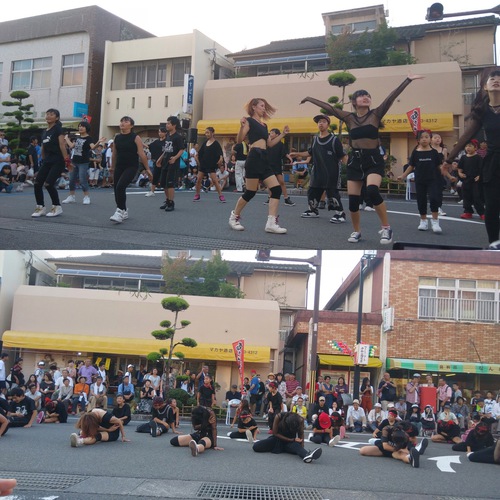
(248, 195)
(354, 202)
(373, 194)
(276, 192)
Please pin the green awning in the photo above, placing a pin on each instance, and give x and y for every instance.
(426, 365)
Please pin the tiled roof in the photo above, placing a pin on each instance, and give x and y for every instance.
(404, 33)
(293, 45)
(123, 261)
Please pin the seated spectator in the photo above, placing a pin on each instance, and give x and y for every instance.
(35, 395)
(247, 428)
(356, 418)
(299, 394)
(59, 381)
(65, 393)
(162, 418)
(477, 439)
(147, 394)
(319, 408)
(474, 400)
(448, 429)
(33, 380)
(121, 410)
(414, 417)
(489, 411)
(323, 431)
(338, 424)
(428, 421)
(335, 407)
(375, 417)
(98, 395)
(80, 395)
(231, 395)
(47, 387)
(126, 389)
(461, 411)
(22, 411)
(401, 408)
(222, 177)
(300, 408)
(55, 413)
(300, 171)
(6, 179)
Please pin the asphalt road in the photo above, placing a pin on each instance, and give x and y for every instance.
(205, 225)
(47, 467)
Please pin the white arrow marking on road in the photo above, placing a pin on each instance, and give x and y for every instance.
(350, 445)
(444, 463)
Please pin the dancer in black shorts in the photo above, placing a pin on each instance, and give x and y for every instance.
(257, 166)
(91, 425)
(365, 160)
(156, 150)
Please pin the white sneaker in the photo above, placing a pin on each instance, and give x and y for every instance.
(75, 440)
(249, 435)
(424, 225)
(70, 199)
(272, 225)
(149, 194)
(234, 222)
(125, 214)
(441, 212)
(369, 209)
(55, 211)
(194, 448)
(310, 436)
(335, 440)
(371, 441)
(436, 228)
(354, 238)
(118, 216)
(39, 211)
(86, 200)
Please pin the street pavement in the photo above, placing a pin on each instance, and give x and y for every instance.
(204, 225)
(48, 468)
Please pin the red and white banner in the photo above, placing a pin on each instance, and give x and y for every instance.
(239, 354)
(414, 117)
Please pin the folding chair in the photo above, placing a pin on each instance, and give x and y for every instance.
(232, 406)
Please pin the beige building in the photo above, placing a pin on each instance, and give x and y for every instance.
(145, 78)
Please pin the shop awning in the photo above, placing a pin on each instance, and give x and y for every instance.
(438, 122)
(443, 366)
(344, 360)
(40, 341)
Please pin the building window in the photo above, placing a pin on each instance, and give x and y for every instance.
(146, 75)
(72, 70)
(459, 300)
(180, 67)
(31, 74)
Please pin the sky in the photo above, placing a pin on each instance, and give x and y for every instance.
(336, 265)
(239, 26)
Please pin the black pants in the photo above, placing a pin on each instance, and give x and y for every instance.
(473, 197)
(238, 435)
(168, 175)
(314, 197)
(484, 456)
(432, 189)
(319, 438)
(271, 445)
(48, 175)
(122, 178)
(492, 208)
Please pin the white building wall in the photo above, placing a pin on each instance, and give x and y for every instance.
(61, 98)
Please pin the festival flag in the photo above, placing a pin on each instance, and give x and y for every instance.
(239, 354)
(414, 119)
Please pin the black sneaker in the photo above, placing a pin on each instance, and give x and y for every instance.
(164, 206)
(289, 202)
(385, 236)
(170, 206)
(153, 428)
(414, 458)
(333, 204)
(310, 214)
(314, 455)
(422, 446)
(321, 205)
(338, 218)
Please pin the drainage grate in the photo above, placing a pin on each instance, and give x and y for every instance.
(36, 481)
(250, 492)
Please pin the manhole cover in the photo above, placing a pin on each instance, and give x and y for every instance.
(36, 481)
(251, 492)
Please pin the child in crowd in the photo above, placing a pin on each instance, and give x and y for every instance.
(6, 179)
(469, 171)
(428, 421)
(426, 162)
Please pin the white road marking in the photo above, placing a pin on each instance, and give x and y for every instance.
(444, 463)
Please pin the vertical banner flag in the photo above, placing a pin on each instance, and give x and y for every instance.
(414, 119)
(239, 354)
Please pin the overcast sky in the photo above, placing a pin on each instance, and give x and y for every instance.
(238, 25)
(337, 265)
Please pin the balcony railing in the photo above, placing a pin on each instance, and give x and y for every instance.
(482, 311)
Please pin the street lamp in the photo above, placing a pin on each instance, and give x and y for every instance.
(364, 266)
(265, 256)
